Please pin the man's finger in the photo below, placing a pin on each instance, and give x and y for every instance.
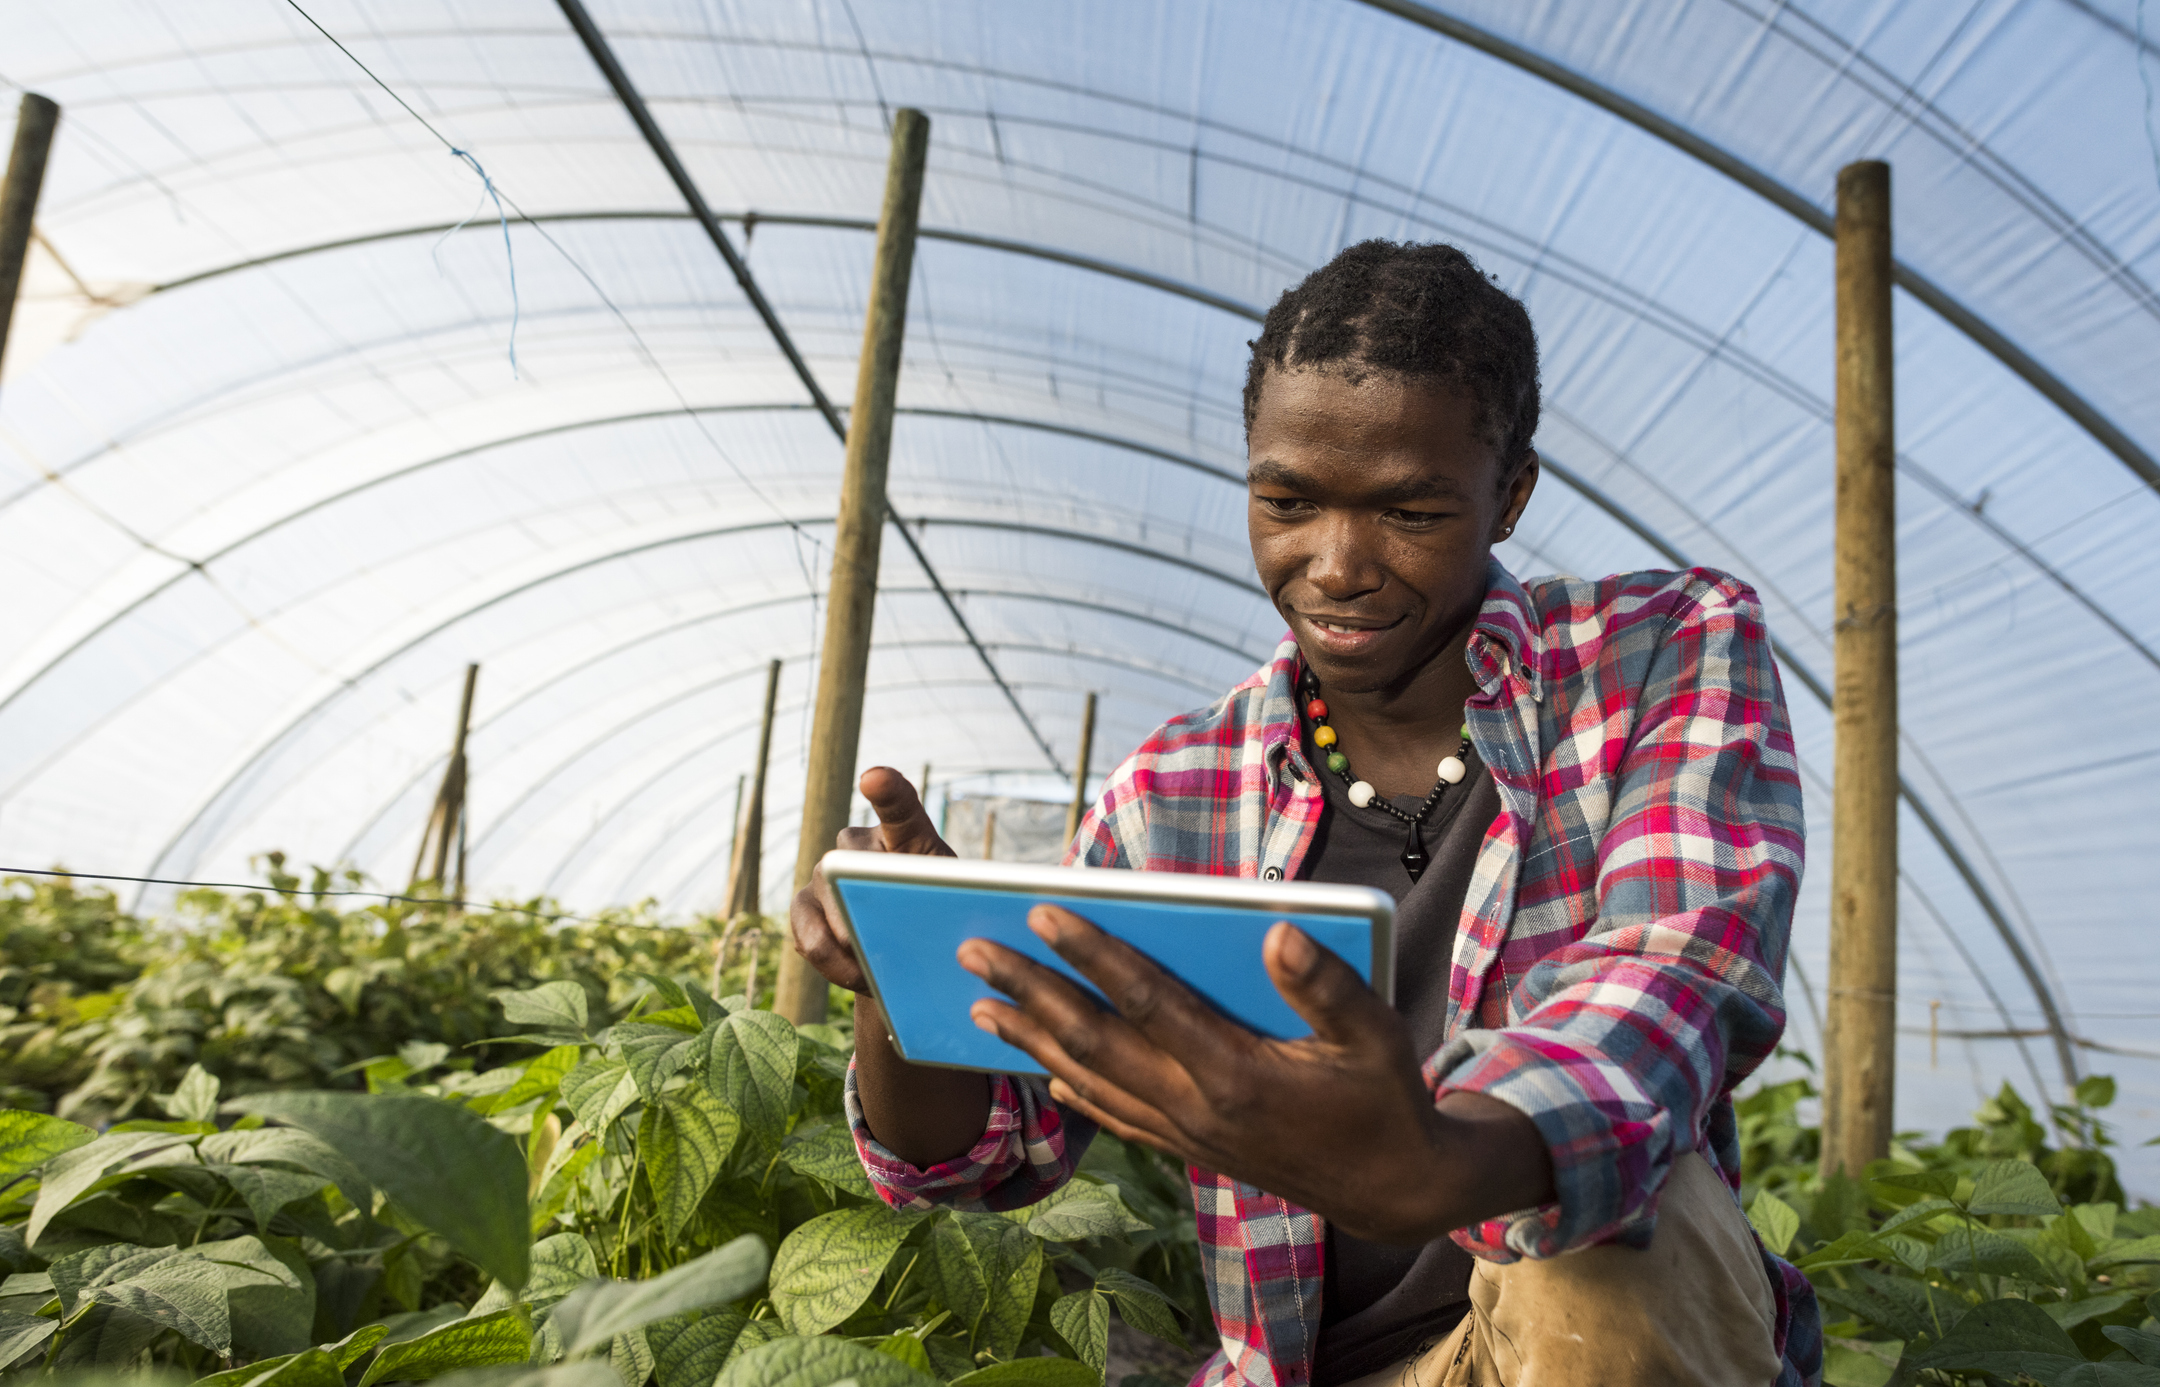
(1059, 1008)
(817, 938)
(1157, 1004)
(1096, 1096)
(1326, 991)
(903, 821)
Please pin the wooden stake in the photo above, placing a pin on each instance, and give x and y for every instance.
(1860, 1034)
(445, 833)
(1078, 809)
(743, 881)
(35, 121)
(989, 832)
(799, 993)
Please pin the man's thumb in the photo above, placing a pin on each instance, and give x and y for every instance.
(1323, 989)
(902, 819)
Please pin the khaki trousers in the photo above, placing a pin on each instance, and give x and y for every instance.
(1694, 1309)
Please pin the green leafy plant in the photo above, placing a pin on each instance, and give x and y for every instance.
(672, 1198)
(1987, 1257)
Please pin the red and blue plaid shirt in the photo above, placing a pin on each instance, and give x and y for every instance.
(1619, 963)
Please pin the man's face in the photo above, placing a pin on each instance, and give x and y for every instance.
(1372, 511)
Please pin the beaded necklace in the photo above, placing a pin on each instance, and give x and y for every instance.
(1362, 794)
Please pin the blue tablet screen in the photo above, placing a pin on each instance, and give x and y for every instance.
(908, 933)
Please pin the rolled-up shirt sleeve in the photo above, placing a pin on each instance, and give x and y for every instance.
(1028, 1148)
(1620, 1044)
(1032, 1144)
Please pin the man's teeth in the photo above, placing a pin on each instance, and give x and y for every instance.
(1331, 626)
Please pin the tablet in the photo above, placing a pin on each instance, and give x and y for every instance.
(908, 916)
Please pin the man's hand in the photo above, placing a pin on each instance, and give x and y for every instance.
(1339, 1122)
(923, 1116)
(903, 826)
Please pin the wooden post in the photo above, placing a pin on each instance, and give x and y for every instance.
(799, 993)
(445, 833)
(989, 831)
(35, 121)
(1860, 1034)
(743, 887)
(1074, 814)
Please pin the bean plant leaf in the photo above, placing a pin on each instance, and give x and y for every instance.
(1922, 1212)
(694, 1355)
(442, 1163)
(2108, 1375)
(907, 1348)
(1082, 1209)
(598, 1091)
(1943, 1184)
(2137, 1250)
(826, 1153)
(685, 1140)
(658, 1055)
(819, 1362)
(70, 1174)
(309, 1368)
(2003, 1337)
(598, 1311)
(541, 1077)
(1033, 1372)
(585, 1372)
(2136, 1342)
(1774, 1221)
(105, 1338)
(552, 1005)
(751, 1068)
(266, 1189)
(502, 1337)
(828, 1266)
(1082, 1320)
(1142, 1304)
(30, 1139)
(631, 1358)
(955, 1273)
(1974, 1249)
(288, 1146)
(184, 1294)
(194, 1098)
(1012, 1260)
(95, 1266)
(2013, 1187)
(20, 1334)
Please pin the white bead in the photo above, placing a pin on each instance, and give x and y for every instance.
(1452, 770)
(1361, 794)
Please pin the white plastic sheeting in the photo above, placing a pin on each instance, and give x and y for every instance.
(268, 480)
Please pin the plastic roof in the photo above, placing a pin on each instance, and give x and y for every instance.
(268, 479)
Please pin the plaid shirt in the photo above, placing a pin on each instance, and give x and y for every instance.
(1618, 966)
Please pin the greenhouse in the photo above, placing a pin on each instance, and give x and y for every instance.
(360, 342)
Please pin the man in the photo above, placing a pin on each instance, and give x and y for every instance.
(1584, 799)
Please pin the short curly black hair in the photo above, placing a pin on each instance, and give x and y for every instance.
(1420, 310)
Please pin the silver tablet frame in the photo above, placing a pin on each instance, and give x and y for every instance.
(1112, 883)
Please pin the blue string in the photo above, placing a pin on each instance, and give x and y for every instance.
(488, 186)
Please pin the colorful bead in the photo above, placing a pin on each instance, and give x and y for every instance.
(1452, 770)
(1316, 710)
(1337, 762)
(1323, 735)
(1361, 794)
(1466, 731)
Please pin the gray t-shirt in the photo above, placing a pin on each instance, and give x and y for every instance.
(1380, 1302)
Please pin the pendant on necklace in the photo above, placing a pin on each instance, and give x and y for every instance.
(1414, 856)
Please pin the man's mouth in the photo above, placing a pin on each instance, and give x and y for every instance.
(1349, 627)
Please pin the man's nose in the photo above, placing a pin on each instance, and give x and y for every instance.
(1343, 563)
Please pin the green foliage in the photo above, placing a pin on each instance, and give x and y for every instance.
(664, 1192)
(102, 1014)
(1988, 1257)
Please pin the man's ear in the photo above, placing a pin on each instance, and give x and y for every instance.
(1515, 490)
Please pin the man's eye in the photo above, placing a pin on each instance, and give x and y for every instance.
(1282, 505)
(1417, 517)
